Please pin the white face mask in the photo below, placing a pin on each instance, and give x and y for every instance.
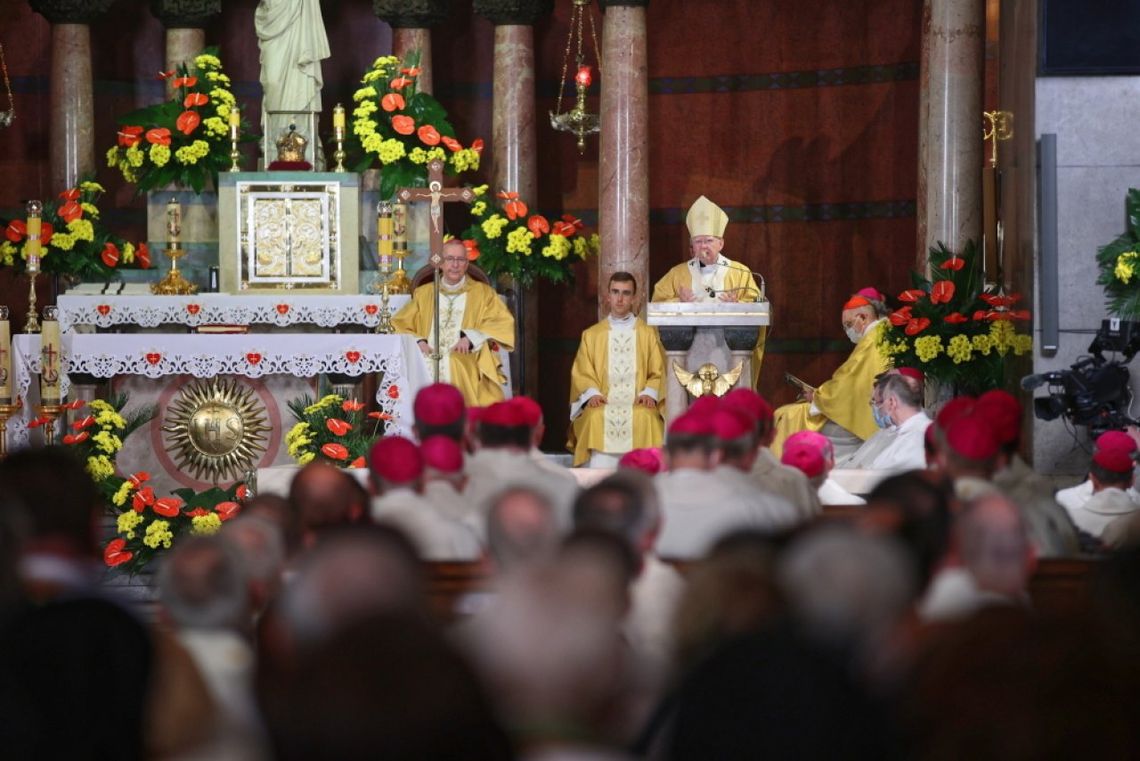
(854, 334)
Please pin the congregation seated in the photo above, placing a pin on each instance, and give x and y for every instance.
(813, 455)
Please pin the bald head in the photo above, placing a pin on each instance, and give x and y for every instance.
(994, 545)
(322, 496)
(520, 528)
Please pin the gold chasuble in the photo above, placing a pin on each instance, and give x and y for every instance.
(471, 309)
(621, 363)
(843, 399)
(727, 275)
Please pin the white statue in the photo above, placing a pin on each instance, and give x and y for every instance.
(291, 35)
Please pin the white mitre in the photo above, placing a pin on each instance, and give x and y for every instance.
(706, 218)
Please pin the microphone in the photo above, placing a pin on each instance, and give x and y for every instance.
(738, 266)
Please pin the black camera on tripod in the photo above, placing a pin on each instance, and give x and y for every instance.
(1094, 391)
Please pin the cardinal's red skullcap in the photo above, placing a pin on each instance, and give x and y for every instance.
(704, 405)
(750, 403)
(1116, 440)
(1114, 460)
(870, 293)
(503, 414)
(957, 407)
(692, 424)
(912, 372)
(729, 424)
(813, 439)
(972, 437)
(804, 457)
(396, 460)
(1003, 412)
(646, 460)
(529, 408)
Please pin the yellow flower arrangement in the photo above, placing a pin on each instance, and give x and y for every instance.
(333, 428)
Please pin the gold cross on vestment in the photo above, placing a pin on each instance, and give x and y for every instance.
(438, 195)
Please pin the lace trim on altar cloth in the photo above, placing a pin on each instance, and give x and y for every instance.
(622, 368)
(220, 309)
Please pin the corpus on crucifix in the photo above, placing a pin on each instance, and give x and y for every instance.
(460, 323)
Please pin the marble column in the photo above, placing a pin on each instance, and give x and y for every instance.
(514, 155)
(623, 177)
(411, 22)
(72, 136)
(184, 21)
(950, 124)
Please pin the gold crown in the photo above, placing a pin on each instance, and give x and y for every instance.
(291, 145)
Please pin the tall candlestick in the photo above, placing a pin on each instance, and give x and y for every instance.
(5, 357)
(33, 226)
(235, 133)
(173, 223)
(384, 228)
(338, 121)
(50, 358)
(235, 122)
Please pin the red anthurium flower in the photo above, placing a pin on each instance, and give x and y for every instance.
(337, 426)
(188, 121)
(573, 221)
(380, 415)
(335, 451)
(70, 195)
(917, 325)
(1020, 314)
(77, 404)
(198, 512)
(242, 492)
(428, 135)
(195, 99)
(358, 462)
(979, 315)
(477, 146)
(37, 422)
(901, 317)
(393, 392)
(86, 422)
(538, 225)
(70, 211)
(129, 136)
(405, 125)
(76, 438)
(413, 71)
(144, 497)
(110, 255)
(15, 231)
(158, 136)
(912, 295)
(139, 478)
(184, 82)
(400, 83)
(227, 510)
(942, 291)
(512, 205)
(472, 249)
(561, 228)
(168, 507)
(46, 231)
(142, 256)
(452, 144)
(164, 75)
(393, 101)
(351, 405)
(955, 318)
(954, 263)
(115, 553)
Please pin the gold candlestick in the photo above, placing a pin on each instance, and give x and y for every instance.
(51, 412)
(174, 284)
(7, 410)
(385, 324)
(34, 210)
(398, 282)
(235, 128)
(338, 136)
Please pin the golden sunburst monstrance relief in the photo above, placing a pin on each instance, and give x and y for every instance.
(217, 429)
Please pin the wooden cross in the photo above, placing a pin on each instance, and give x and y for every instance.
(438, 196)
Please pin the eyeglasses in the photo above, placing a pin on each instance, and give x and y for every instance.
(454, 260)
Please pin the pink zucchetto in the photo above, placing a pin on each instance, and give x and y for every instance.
(646, 460)
(442, 453)
(438, 404)
(396, 460)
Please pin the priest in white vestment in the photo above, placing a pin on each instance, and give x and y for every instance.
(711, 276)
(1076, 496)
(473, 324)
(898, 445)
(1111, 475)
(617, 384)
(397, 468)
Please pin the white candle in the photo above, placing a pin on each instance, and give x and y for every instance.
(50, 361)
(5, 357)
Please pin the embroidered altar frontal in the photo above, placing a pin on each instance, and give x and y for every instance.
(288, 231)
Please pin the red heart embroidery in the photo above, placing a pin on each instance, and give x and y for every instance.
(153, 357)
(282, 308)
(352, 356)
(253, 358)
(103, 309)
(193, 308)
(371, 308)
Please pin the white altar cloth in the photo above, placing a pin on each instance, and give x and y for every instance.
(281, 310)
(302, 355)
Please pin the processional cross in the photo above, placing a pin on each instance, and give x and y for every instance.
(438, 196)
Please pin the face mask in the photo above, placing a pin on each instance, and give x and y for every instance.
(882, 419)
(854, 334)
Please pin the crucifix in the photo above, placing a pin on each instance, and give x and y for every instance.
(438, 196)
